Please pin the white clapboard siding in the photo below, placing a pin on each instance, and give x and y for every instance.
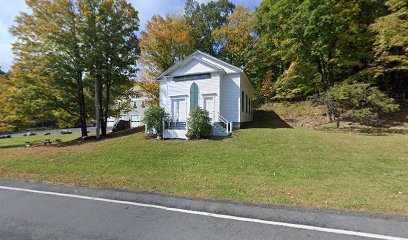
(230, 90)
(193, 67)
(225, 84)
(173, 89)
(226, 67)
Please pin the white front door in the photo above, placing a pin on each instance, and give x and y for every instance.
(179, 109)
(134, 121)
(209, 105)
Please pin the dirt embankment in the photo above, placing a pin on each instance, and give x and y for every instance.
(305, 114)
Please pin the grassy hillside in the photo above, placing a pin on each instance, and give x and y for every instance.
(267, 163)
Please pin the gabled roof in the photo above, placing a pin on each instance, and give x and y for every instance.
(194, 56)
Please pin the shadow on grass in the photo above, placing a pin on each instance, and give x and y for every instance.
(266, 119)
(365, 130)
(218, 138)
(12, 146)
(262, 119)
(93, 139)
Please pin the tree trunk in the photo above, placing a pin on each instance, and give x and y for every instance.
(321, 68)
(107, 100)
(101, 111)
(337, 121)
(98, 122)
(329, 114)
(82, 110)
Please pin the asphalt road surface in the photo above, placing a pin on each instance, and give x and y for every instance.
(39, 211)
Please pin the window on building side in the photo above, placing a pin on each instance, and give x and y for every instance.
(249, 105)
(246, 105)
(242, 102)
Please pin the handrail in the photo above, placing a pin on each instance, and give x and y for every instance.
(222, 119)
(227, 124)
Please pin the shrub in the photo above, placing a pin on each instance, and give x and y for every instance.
(199, 123)
(154, 117)
(360, 100)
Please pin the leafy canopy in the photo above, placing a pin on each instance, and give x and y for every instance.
(237, 37)
(204, 19)
(360, 100)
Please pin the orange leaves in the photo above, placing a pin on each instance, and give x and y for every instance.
(165, 41)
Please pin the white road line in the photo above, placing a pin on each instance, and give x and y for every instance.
(214, 215)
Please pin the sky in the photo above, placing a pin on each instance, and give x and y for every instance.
(146, 9)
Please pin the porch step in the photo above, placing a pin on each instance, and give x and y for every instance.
(219, 129)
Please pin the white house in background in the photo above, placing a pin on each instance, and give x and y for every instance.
(207, 82)
(135, 115)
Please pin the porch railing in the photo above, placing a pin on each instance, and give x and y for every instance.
(227, 125)
(174, 124)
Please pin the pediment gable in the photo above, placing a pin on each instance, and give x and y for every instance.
(194, 66)
(197, 63)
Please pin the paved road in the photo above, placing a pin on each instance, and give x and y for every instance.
(38, 211)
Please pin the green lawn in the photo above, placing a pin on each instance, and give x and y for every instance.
(262, 165)
(21, 140)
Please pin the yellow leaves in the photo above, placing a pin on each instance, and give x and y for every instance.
(392, 34)
(165, 41)
(237, 34)
(149, 87)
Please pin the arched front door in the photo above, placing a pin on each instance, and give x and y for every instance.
(193, 95)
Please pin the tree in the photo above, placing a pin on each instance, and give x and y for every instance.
(204, 19)
(64, 44)
(4, 112)
(331, 36)
(237, 37)
(299, 81)
(268, 89)
(146, 86)
(112, 51)
(391, 48)
(165, 41)
(49, 59)
(272, 25)
(360, 100)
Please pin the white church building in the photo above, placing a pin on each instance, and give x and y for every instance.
(207, 82)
